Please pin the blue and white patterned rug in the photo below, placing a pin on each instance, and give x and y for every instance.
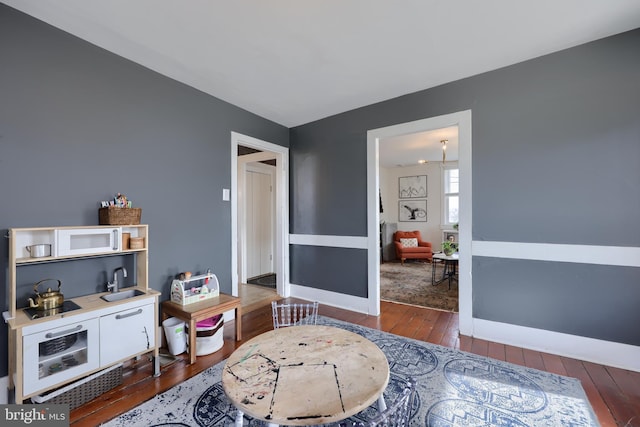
(454, 388)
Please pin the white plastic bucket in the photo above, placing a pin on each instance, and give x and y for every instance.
(176, 338)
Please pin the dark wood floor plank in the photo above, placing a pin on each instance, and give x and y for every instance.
(533, 359)
(514, 355)
(622, 409)
(440, 327)
(629, 384)
(497, 351)
(451, 337)
(628, 381)
(480, 347)
(611, 391)
(553, 363)
(465, 343)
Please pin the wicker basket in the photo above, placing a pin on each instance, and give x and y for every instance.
(119, 216)
(84, 390)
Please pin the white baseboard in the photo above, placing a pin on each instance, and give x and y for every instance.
(334, 299)
(607, 353)
(4, 390)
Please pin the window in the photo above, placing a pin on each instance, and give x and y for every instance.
(451, 188)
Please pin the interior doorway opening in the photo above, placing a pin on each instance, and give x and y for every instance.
(259, 219)
(462, 120)
(414, 170)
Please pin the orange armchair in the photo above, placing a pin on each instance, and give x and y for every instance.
(411, 249)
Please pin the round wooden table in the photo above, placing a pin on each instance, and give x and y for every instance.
(304, 375)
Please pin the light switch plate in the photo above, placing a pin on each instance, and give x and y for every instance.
(225, 194)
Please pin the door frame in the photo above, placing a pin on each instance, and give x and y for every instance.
(461, 119)
(281, 236)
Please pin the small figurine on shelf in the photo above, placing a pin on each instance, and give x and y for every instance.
(184, 276)
(119, 201)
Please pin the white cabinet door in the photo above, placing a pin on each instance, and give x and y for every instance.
(127, 333)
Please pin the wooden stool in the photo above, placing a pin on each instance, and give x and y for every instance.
(193, 313)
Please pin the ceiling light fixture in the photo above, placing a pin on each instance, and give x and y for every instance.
(444, 149)
(422, 161)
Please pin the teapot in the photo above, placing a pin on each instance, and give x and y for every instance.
(46, 300)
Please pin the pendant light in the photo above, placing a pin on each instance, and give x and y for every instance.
(444, 149)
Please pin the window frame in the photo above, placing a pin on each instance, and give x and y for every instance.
(445, 224)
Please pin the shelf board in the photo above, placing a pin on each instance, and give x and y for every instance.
(29, 261)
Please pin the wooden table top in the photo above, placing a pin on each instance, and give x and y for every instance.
(222, 302)
(304, 375)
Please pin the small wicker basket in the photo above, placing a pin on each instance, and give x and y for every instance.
(136, 243)
(119, 216)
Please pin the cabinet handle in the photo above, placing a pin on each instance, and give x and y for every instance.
(115, 240)
(61, 333)
(133, 313)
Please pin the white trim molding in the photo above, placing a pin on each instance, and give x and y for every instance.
(583, 254)
(608, 353)
(281, 259)
(462, 120)
(352, 242)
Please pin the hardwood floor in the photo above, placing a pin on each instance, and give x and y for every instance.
(614, 393)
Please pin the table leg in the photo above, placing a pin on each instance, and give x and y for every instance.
(382, 405)
(433, 272)
(156, 363)
(238, 323)
(192, 341)
(239, 418)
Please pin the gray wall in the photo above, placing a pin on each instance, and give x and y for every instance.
(78, 124)
(556, 148)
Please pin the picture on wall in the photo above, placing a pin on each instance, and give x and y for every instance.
(412, 187)
(412, 211)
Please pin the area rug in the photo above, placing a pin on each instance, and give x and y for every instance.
(454, 388)
(268, 280)
(411, 284)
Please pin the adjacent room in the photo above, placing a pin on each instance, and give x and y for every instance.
(419, 194)
(321, 212)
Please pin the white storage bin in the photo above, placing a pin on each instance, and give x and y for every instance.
(174, 332)
(209, 335)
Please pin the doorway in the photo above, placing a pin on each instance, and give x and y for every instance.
(259, 182)
(463, 121)
(257, 220)
(413, 169)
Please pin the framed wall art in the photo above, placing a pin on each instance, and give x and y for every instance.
(412, 187)
(412, 211)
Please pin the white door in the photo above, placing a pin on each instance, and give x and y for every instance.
(259, 220)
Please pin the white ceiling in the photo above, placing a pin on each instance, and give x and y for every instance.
(408, 150)
(296, 61)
